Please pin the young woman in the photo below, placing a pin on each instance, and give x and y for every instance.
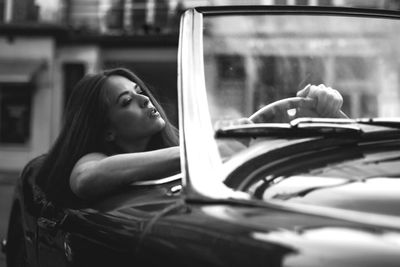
(115, 132)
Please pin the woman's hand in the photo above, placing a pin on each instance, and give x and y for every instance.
(312, 101)
(327, 102)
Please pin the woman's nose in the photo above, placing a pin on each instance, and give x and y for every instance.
(145, 101)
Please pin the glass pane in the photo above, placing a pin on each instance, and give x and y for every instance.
(265, 58)
(15, 113)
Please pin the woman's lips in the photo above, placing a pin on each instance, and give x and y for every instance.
(153, 113)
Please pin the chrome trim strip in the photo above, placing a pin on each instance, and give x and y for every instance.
(165, 180)
(201, 163)
(298, 10)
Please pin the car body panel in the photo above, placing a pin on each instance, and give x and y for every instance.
(222, 235)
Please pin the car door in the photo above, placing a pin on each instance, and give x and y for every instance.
(50, 237)
(107, 232)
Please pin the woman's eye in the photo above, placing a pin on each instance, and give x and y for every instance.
(139, 90)
(126, 101)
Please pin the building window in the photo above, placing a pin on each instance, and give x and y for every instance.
(24, 10)
(325, 3)
(2, 10)
(138, 16)
(115, 16)
(15, 113)
(302, 2)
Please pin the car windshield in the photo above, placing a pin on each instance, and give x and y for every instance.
(252, 60)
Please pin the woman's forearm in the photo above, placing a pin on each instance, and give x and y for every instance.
(94, 178)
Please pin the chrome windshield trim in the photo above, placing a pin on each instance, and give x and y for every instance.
(165, 180)
(200, 161)
(299, 10)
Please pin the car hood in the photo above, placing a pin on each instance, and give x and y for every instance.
(364, 195)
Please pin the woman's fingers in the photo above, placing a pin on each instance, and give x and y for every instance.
(294, 102)
(323, 101)
(328, 100)
(304, 92)
(339, 103)
(278, 110)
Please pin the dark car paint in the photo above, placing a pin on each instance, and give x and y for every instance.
(26, 207)
(108, 232)
(214, 234)
(221, 235)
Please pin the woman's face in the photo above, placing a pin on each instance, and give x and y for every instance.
(133, 118)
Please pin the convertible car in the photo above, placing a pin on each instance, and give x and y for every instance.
(307, 191)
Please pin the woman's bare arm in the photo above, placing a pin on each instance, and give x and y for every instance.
(96, 174)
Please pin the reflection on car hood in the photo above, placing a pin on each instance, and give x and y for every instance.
(360, 195)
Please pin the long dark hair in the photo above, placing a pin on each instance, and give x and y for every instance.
(84, 129)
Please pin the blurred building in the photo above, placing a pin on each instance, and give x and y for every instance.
(46, 46)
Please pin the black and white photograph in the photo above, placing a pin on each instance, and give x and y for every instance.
(200, 133)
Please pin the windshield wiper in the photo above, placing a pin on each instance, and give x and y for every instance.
(304, 127)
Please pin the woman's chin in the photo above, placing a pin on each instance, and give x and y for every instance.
(161, 123)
